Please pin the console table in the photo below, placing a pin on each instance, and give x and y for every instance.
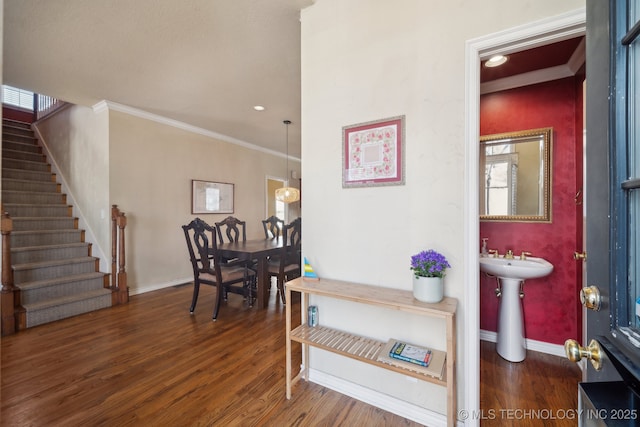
(344, 343)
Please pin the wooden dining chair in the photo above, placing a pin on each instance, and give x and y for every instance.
(233, 228)
(288, 265)
(209, 270)
(272, 227)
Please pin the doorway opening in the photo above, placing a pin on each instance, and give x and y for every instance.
(555, 29)
(273, 206)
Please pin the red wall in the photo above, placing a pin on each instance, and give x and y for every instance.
(16, 114)
(551, 307)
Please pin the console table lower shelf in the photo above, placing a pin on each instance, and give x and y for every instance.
(365, 349)
(359, 348)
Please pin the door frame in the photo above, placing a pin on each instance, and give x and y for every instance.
(538, 33)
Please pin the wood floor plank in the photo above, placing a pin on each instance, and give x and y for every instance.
(151, 363)
(542, 390)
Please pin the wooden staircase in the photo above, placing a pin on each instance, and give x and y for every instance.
(54, 274)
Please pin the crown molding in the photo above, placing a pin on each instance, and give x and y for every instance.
(105, 105)
(533, 35)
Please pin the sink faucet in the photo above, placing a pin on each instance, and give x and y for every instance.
(509, 254)
(524, 254)
(493, 252)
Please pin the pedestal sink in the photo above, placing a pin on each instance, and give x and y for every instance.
(512, 272)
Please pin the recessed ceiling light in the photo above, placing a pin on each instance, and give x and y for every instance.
(258, 107)
(495, 60)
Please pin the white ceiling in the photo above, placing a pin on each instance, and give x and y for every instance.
(202, 62)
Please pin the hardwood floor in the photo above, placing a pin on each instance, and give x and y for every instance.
(542, 390)
(151, 363)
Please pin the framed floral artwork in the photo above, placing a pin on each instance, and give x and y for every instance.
(373, 153)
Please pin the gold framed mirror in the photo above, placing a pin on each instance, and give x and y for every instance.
(515, 176)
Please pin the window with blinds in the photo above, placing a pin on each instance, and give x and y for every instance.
(17, 97)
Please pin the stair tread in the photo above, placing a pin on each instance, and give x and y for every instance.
(68, 299)
(36, 205)
(13, 124)
(45, 247)
(10, 169)
(7, 152)
(17, 135)
(62, 230)
(27, 161)
(31, 192)
(27, 180)
(41, 218)
(33, 205)
(51, 263)
(59, 280)
(35, 195)
(36, 174)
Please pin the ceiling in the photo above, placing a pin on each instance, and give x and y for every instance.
(205, 63)
(536, 65)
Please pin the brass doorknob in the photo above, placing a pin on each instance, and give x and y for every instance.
(580, 255)
(575, 353)
(590, 298)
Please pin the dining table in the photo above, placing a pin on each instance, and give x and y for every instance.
(259, 250)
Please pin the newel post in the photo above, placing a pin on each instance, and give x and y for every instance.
(8, 294)
(123, 289)
(115, 212)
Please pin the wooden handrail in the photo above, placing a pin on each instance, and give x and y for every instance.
(8, 290)
(119, 286)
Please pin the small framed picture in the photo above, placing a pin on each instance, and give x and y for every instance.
(373, 153)
(211, 197)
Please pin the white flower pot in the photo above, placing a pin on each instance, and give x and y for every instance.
(428, 289)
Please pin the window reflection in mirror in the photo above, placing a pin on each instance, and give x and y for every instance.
(515, 181)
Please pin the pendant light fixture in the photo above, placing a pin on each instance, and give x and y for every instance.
(287, 194)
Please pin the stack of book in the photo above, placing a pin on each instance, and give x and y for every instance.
(414, 358)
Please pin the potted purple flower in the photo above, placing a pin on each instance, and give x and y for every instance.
(429, 268)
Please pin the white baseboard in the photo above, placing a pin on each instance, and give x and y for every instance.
(379, 400)
(157, 286)
(533, 345)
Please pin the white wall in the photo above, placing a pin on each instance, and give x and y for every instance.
(144, 166)
(361, 61)
(77, 141)
(152, 165)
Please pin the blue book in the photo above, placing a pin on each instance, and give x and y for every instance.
(410, 353)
